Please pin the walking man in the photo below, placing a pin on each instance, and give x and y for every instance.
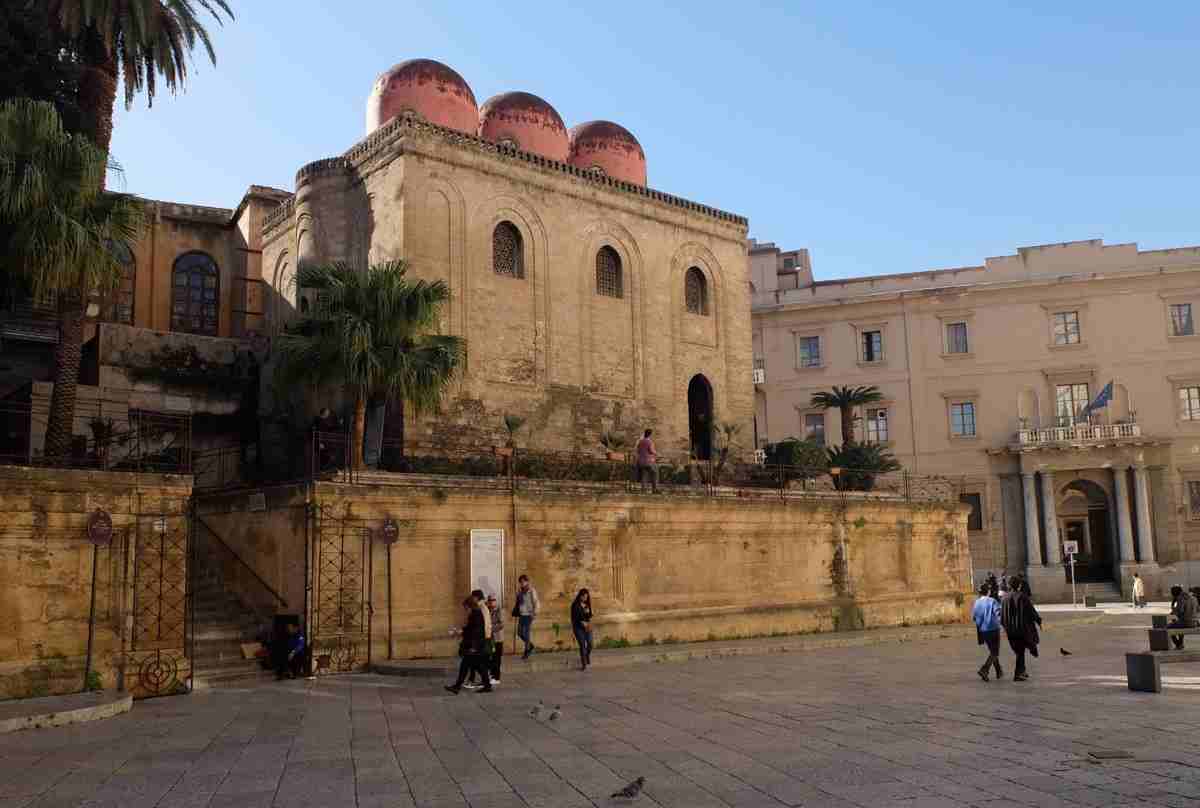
(986, 615)
(1139, 591)
(525, 611)
(497, 636)
(646, 458)
(1020, 621)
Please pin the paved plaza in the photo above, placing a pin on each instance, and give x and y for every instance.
(884, 726)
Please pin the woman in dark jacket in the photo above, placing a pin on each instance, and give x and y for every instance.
(581, 625)
(1021, 621)
(473, 648)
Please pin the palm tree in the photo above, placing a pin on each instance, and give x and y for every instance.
(60, 234)
(845, 399)
(369, 334)
(141, 40)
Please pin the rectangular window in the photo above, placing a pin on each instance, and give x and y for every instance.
(808, 352)
(1181, 320)
(1066, 328)
(1189, 403)
(814, 428)
(1070, 399)
(872, 346)
(975, 520)
(789, 263)
(877, 426)
(1193, 490)
(962, 419)
(956, 338)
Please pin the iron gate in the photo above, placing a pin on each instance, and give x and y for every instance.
(340, 625)
(157, 659)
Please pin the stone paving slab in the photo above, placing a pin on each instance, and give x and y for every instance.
(58, 711)
(550, 661)
(898, 724)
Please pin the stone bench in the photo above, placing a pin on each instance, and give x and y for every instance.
(1143, 670)
(1158, 636)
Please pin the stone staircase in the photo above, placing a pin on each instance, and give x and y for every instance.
(222, 624)
(1104, 592)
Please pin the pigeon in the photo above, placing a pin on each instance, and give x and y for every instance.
(556, 712)
(1064, 652)
(536, 712)
(630, 791)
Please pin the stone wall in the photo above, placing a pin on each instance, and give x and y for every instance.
(46, 570)
(664, 567)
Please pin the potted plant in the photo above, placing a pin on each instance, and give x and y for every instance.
(613, 445)
(512, 423)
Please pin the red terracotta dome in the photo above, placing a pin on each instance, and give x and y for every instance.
(430, 89)
(525, 121)
(609, 147)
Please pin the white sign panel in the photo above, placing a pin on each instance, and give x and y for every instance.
(1070, 548)
(487, 562)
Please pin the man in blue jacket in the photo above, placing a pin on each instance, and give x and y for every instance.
(291, 658)
(986, 615)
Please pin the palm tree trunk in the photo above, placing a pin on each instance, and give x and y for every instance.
(97, 91)
(358, 429)
(847, 425)
(400, 420)
(67, 356)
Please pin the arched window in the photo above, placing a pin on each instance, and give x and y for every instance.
(508, 255)
(608, 273)
(117, 305)
(195, 294)
(695, 291)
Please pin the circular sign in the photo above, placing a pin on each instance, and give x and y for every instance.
(100, 528)
(390, 531)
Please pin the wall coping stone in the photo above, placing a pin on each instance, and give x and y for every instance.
(58, 711)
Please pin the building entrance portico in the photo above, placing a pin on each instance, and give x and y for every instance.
(1084, 514)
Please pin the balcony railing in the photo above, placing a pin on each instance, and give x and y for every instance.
(1078, 433)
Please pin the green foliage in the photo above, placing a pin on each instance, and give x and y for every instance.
(845, 399)
(860, 463)
(94, 681)
(650, 640)
(860, 522)
(37, 61)
(612, 442)
(613, 642)
(805, 458)
(513, 424)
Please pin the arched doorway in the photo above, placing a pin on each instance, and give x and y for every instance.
(700, 417)
(1084, 516)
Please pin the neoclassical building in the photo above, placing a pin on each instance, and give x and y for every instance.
(987, 374)
(589, 302)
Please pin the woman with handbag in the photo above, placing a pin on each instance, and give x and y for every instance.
(581, 625)
(473, 647)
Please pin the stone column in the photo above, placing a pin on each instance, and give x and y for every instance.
(1050, 522)
(1141, 482)
(1033, 541)
(1124, 526)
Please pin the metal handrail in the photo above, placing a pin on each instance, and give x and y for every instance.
(270, 589)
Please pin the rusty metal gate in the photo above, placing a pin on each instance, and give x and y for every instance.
(339, 627)
(158, 647)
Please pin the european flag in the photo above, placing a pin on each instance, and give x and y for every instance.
(1101, 400)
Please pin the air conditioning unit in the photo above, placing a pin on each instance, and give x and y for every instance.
(760, 376)
(760, 456)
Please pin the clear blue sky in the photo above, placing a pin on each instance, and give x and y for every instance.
(884, 139)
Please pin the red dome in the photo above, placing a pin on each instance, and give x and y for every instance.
(525, 121)
(609, 147)
(430, 89)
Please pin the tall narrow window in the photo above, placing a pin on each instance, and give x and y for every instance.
(808, 352)
(975, 520)
(956, 338)
(195, 294)
(962, 419)
(1181, 320)
(695, 291)
(814, 427)
(1189, 403)
(1069, 401)
(877, 425)
(508, 254)
(872, 346)
(1193, 487)
(1066, 328)
(117, 305)
(608, 273)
